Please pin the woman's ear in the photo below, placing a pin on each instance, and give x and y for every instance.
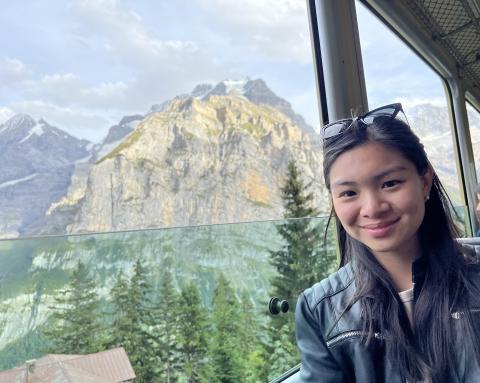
(427, 182)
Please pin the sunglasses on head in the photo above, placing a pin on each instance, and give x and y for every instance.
(383, 114)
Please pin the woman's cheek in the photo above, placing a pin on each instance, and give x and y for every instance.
(344, 213)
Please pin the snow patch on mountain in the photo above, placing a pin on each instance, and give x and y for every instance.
(17, 120)
(235, 85)
(37, 130)
(17, 181)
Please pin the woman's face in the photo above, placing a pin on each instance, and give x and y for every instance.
(379, 198)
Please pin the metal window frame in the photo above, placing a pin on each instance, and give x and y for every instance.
(397, 17)
(341, 81)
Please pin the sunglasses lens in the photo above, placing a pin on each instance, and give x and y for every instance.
(381, 115)
(335, 128)
(387, 112)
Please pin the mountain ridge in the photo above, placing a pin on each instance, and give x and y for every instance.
(196, 155)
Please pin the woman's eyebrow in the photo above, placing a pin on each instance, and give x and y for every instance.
(376, 177)
(387, 172)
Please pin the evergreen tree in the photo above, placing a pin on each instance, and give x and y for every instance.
(140, 319)
(120, 330)
(3, 314)
(167, 329)
(302, 260)
(284, 355)
(132, 320)
(193, 329)
(225, 355)
(251, 340)
(75, 326)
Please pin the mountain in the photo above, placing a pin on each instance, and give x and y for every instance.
(57, 208)
(432, 124)
(37, 163)
(256, 91)
(65, 207)
(215, 159)
(116, 134)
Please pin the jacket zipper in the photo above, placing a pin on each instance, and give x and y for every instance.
(349, 334)
(353, 334)
(460, 314)
(357, 333)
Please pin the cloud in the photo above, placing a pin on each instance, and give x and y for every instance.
(156, 68)
(277, 29)
(69, 90)
(393, 72)
(123, 32)
(58, 87)
(12, 72)
(106, 91)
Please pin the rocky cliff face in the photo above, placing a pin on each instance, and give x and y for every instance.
(199, 161)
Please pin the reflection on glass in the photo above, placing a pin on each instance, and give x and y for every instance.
(474, 124)
(394, 73)
(186, 302)
(151, 114)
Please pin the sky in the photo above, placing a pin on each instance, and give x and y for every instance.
(84, 64)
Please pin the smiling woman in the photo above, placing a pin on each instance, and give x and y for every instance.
(391, 313)
(379, 197)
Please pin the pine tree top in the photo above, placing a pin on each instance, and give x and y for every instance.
(296, 201)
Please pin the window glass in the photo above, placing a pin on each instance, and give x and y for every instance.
(182, 302)
(131, 133)
(394, 73)
(118, 115)
(474, 124)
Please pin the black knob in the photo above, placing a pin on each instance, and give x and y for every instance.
(275, 306)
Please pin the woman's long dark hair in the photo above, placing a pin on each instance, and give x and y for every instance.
(445, 289)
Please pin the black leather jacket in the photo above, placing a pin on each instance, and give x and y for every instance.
(329, 344)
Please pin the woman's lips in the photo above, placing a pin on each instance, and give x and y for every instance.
(380, 229)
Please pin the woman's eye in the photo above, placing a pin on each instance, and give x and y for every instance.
(347, 193)
(389, 184)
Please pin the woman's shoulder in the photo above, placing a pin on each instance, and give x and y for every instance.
(334, 284)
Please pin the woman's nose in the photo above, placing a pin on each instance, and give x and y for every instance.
(373, 205)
